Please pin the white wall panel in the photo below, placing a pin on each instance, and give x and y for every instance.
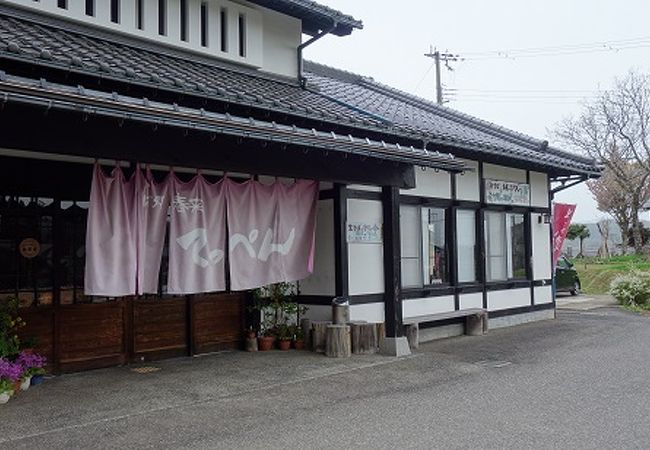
(503, 173)
(511, 298)
(366, 261)
(322, 281)
(473, 300)
(541, 248)
(538, 189)
(370, 312)
(429, 183)
(467, 183)
(543, 294)
(424, 306)
(318, 312)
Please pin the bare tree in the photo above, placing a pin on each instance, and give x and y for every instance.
(615, 129)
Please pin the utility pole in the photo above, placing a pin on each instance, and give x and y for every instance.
(437, 57)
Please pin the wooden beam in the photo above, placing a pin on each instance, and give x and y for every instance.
(392, 263)
(340, 240)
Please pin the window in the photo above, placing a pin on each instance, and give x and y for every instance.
(204, 24)
(115, 11)
(505, 245)
(424, 253)
(183, 16)
(90, 7)
(242, 35)
(466, 244)
(224, 29)
(63, 4)
(162, 17)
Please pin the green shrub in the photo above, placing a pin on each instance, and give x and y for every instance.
(632, 288)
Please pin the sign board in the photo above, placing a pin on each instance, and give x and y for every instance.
(507, 193)
(364, 233)
(29, 248)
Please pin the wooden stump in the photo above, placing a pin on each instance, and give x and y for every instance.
(364, 338)
(381, 333)
(305, 325)
(318, 330)
(413, 335)
(338, 341)
(476, 325)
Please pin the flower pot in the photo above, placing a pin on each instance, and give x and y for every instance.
(37, 379)
(4, 397)
(265, 343)
(284, 344)
(299, 344)
(24, 385)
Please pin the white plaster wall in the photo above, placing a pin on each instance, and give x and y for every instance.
(271, 38)
(473, 300)
(539, 189)
(543, 294)
(429, 183)
(541, 248)
(512, 298)
(282, 35)
(370, 312)
(366, 261)
(322, 281)
(503, 173)
(425, 306)
(467, 183)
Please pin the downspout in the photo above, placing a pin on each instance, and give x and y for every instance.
(301, 78)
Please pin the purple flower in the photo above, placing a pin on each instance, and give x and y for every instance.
(10, 371)
(30, 360)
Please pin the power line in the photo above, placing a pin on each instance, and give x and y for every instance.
(445, 57)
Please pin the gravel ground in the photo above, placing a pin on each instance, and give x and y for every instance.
(579, 381)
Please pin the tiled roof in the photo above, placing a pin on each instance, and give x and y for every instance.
(337, 98)
(111, 104)
(314, 16)
(50, 42)
(440, 123)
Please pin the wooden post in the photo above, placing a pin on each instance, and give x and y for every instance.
(305, 325)
(338, 341)
(392, 262)
(413, 335)
(318, 336)
(381, 332)
(364, 338)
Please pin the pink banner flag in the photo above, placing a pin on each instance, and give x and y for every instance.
(562, 214)
(197, 237)
(271, 232)
(110, 236)
(151, 208)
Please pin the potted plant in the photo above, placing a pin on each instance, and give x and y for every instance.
(10, 323)
(284, 336)
(298, 339)
(27, 345)
(10, 373)
(33, 368)
(266, 341)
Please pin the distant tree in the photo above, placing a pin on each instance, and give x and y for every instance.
(615, 128)
(622, 200)
(578, 231)
(645, 235)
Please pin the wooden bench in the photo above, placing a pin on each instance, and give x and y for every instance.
(476, 323)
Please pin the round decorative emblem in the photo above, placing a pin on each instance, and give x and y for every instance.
(29, 248)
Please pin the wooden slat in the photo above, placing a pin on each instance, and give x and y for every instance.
(218, 321)
(159, 326)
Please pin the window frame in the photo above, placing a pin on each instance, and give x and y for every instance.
(508, 245)
(448, 252)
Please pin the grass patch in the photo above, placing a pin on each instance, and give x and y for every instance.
(639, 309)
(596, 274)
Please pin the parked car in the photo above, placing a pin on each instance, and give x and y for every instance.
(566, 277)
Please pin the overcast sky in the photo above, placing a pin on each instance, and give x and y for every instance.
(528, 93)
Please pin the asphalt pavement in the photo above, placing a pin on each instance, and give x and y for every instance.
(580, 381)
